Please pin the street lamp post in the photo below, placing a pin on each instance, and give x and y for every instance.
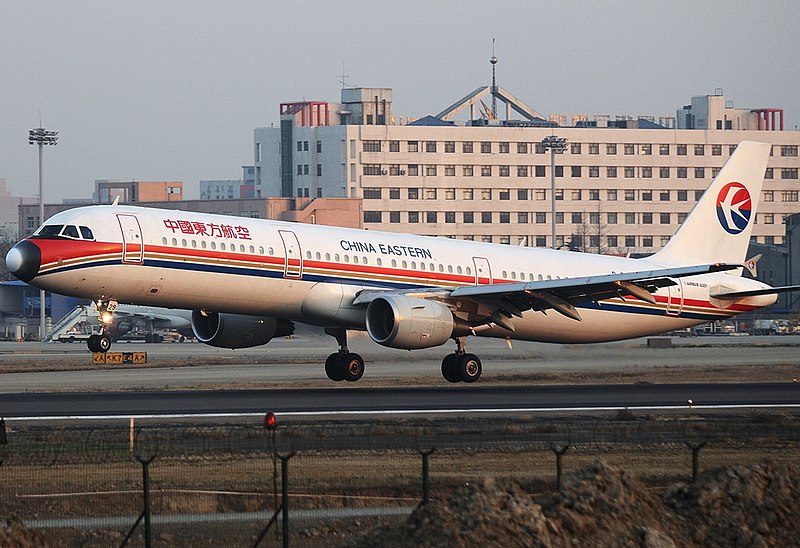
(555, 144)
(41, 137)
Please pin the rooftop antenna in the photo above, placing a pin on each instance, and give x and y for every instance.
(493, 61)
(343, 77)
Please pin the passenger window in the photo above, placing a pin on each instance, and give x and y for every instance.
(458, 269)
(469, 270)
(252, 249)
(213, 245)
(379, 261)
(327, 256)
(203, 244)
(174, 242)
(260, 250)
(183, 243)
(164, 241)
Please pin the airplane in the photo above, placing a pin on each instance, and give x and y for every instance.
(249, 280)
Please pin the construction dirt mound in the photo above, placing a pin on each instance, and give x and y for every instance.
(601, 505)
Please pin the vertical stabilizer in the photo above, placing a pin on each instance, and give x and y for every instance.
(718, 228)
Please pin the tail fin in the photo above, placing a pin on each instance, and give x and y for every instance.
(718, 228)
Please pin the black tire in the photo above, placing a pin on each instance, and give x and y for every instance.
(352, 367)
(103, 343)
(450, 368)
(469, 368)
(333, 368)
(91, 342)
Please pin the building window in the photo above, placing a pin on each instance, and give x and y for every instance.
(319, 170)
(540, 194)
(647, 241)
(663, 172)
(466, 147)
(372, 169)
(683, 195)
(731, 149)
(647, 172)
(630, 241)
(612, 241)
(611, 172)
(559, 217)
(449, 171)
(611, 218)
(699, 150)
(299, 146)
(559, 194)
(647, 149)
(789, 195)
(394, 216)
(539, 171)
(594, 218)
(372, 216)
(505, 217)
(682, 172)
(505, 194)
(430, 193)
(486, 217)
(630, 195)
(577, 195)
(664, 196)
(665, 218)
(430, 170)
(611, 148)
(522, 171)
(372, 193)
(449, 146)
(541, 217)
(789, 173)
(469, 217)
(430, 146)
(594, 148)
(504, 148)
(413, 170)
(647, 218)
(450, 217)
(575, 148)
(467, 171)
(699, 172)
(305, 169)
(413, 217)
(467, 194)
(663, 150)
(594, 171)
(413, 194)
(486, 171)
(576, 217)
(647, 196)
(394, 146)
(486, 147)
(630, 172)
(413, 146)
(522, 217)
(576, 171)
(769, 218)
(522, 148)
(505, 171)
(630, 218)
(394, 193)
(432, 217)
(394, 170)
(769, 196)
(522, 194)
(716, 150)
(299, 169)
(681, 150)
(559, 171)
(372, 146)
(769, 173)
(788, 150)
(629, 149)
(611, 195)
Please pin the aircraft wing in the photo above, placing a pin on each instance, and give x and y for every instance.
(498, 303)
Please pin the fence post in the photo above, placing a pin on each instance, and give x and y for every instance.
(145, 515)
(285, 497)
(559, 452)
(3, 438)
(695, 457)
(426, 476)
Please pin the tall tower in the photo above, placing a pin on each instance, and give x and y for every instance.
(493, 61)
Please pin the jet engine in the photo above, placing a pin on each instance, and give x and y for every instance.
(236, 330)
(407, 322)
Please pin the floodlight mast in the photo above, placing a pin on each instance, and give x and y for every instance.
(40, 136)
(556, 145)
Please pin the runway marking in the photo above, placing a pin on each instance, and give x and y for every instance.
(684, 407)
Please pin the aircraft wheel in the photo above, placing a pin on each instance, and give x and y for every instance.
(91, 342)
(450, 368)
(103, 343)
(469, 368)
(333, 368)
(352, 366)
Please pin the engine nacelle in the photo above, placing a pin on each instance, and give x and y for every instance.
(236, 330)
(407, 322)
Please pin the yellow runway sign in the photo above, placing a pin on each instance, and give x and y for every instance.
(118, 358)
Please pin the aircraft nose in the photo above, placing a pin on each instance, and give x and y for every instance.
(23, 260)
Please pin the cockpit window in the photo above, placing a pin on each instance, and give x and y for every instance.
(70, 231)
(86, 232)
(50, 231)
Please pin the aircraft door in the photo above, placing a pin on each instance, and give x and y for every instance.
(675, 298)
(483, 272)
(293, 267)
(132, 243)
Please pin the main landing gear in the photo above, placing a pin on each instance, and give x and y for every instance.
(102, 342)
(460, 365)
(343, 365)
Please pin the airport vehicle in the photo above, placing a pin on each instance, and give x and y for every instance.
(247, 280)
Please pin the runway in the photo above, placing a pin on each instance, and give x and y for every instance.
(339, 401)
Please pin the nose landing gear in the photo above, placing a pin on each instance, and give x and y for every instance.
(102, 342)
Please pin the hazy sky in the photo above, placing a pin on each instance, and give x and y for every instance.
(155, 90)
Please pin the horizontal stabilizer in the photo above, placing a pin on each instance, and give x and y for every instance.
(734, 295)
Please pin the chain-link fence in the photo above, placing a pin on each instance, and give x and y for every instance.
(223, 483)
